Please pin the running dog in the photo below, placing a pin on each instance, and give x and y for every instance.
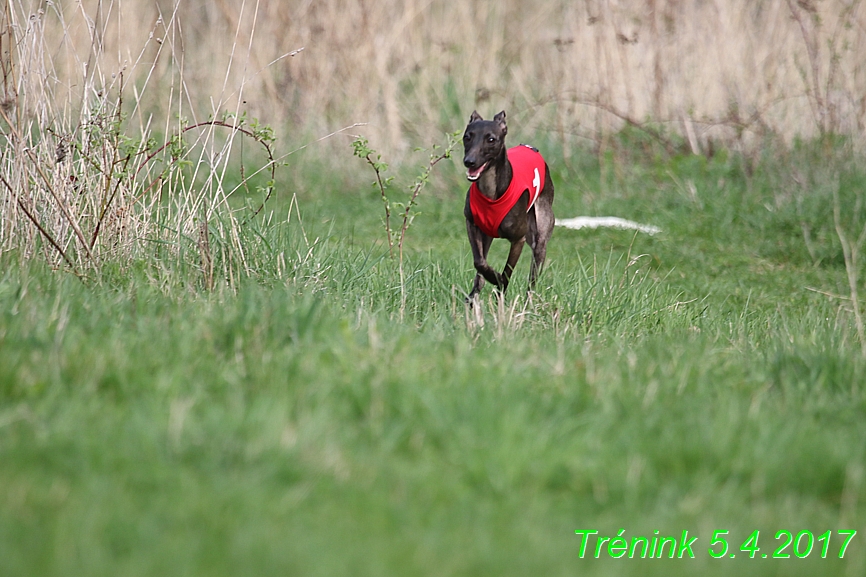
(511, 197)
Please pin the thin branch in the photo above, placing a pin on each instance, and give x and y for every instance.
(272, 164)
(419, 184)
(380, 183)
(62, 205)
(36, 223)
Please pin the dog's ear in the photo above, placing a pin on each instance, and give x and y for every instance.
(475, 117)
(500, 119)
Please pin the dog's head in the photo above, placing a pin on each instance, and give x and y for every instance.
(483, 141)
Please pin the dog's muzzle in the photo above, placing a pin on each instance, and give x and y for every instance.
(473, 174)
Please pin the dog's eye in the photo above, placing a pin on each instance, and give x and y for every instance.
(491, 139)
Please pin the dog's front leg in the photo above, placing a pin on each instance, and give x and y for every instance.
(479, 243)
(513, 257)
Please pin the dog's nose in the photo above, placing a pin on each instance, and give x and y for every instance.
(469, 162)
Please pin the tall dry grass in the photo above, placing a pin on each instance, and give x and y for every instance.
(136, 73)
(106, 154)
(580, 68)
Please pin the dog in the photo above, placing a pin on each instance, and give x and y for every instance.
(511, 197)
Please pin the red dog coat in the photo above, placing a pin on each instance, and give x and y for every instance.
(528, 170)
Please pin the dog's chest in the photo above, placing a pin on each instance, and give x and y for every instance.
(528, 173)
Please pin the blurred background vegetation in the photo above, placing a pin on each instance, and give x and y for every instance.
(143, 100)
(237, 379)
(712, 72)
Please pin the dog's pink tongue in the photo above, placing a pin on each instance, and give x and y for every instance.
(473, 174)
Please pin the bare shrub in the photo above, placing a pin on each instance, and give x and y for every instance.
(89, 175)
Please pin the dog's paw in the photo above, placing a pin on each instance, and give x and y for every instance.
(497, 280)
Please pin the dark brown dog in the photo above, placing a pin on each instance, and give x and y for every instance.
(530, 218)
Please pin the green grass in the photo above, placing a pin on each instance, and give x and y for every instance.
(317, 418)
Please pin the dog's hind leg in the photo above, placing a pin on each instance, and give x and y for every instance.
(541, 222)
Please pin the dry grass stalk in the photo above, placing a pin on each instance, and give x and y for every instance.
(851, 253)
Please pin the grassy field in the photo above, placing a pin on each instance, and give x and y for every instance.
(210, 365)
(320, 417)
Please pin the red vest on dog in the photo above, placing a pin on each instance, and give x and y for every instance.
(528, 170)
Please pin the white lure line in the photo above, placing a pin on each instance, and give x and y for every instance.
(580, 222)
